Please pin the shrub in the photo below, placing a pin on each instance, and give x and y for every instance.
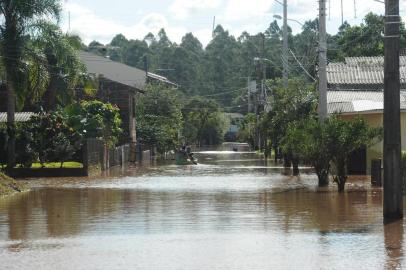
(95, 119)
(52, 139)
(331, 141)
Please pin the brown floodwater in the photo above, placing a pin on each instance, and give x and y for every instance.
(232, 211)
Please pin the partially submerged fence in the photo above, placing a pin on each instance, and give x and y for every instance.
(98, 157)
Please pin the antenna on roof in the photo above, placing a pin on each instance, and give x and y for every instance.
(355, 9)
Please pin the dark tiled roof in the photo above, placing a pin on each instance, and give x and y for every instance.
(350, 102)
(19, 116)
(361, 71)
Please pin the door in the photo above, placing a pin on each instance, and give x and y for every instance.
(357, 162)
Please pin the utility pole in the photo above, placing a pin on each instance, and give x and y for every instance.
(258, 96)
(392, 185)
(322, 108)
(285, 53)
(342, 13)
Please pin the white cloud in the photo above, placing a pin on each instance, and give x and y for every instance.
(237, 10)
(182, 9)
(91, 27)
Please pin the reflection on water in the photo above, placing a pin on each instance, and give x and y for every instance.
(232, 211)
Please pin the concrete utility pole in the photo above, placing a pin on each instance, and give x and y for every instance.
(392, 184)
(285, 53)
(322, 108)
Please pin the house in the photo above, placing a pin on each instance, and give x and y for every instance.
(235, 120)
(355, 88)
(119, 84)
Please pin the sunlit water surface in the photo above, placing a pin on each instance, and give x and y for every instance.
(232, 211)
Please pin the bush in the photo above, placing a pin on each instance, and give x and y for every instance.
(344, 137)
(308, 141)
(52, 139)
(25, 154)
(159, 118)
(331, 141)
(95, 119)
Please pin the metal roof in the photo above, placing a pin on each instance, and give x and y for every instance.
(354, 102)
(361, 71)
(19, 116)
(118, 72)
(161, 79)
(114, 71)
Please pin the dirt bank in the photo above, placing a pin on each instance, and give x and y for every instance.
(9, 186)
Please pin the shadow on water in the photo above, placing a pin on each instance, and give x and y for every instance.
(394, 237)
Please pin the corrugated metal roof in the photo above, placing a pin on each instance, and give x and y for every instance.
(358, 101)
(19, 116)
(361, 70)
(114, 71)
(161, 79)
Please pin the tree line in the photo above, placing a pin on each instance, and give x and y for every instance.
(221, 69)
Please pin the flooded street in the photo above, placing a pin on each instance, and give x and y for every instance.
(232, 211)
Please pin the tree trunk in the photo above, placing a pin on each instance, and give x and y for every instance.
(341, 177)
(295, 163)
(287, 162)
(341, 184)
(276, 154)
(322, 175)
(11, 107)
(50, 94)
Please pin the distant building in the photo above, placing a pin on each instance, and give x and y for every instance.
(235, 121)
(355, 88)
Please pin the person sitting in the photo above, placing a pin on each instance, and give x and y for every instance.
(190, 155)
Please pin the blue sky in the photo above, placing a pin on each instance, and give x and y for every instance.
(102, 19)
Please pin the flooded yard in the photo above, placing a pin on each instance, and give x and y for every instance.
(232, 211)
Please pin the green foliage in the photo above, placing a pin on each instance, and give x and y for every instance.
(159, 118)
(308, 140)
(25, 154)
(61, 61)
(366, 39)
(346, 137)
(246, 132)
(204, 123)
(95, 119)
(51, 138)
(295, 103)
(331, 141)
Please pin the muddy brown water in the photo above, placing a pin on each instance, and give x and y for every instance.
(232, 211)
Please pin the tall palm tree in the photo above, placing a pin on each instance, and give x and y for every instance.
(16, 17)
(63, 63)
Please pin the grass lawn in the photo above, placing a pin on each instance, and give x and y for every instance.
(37, 165)
(69, 165)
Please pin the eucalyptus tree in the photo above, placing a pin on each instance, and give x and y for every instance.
(17, 17)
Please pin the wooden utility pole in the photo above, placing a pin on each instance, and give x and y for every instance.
(322, 108)
(392, 185)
